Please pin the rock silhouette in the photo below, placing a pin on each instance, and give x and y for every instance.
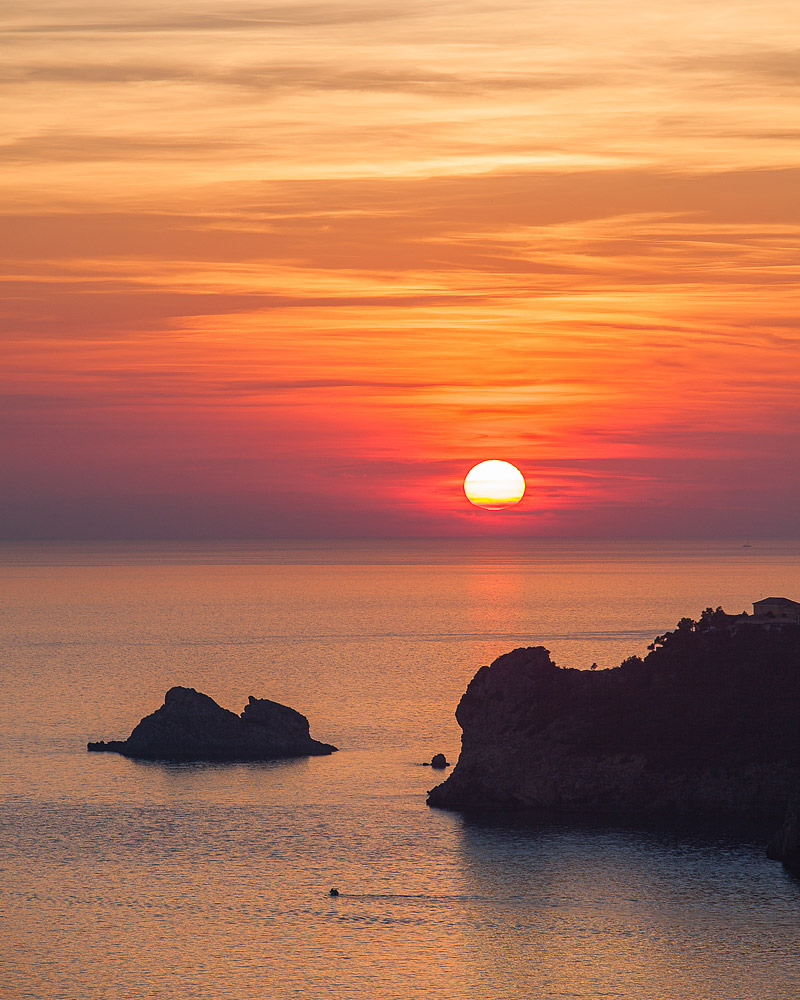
(192, 726)
(706, 724)
(785, 845)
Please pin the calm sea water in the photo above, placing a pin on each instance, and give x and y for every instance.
(129, 880)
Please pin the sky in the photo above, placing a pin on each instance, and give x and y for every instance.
(292, 269)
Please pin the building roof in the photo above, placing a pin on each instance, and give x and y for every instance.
(783, 601)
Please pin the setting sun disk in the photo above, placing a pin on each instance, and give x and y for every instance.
(494, 485)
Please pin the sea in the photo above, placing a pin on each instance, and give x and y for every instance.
(125, 880)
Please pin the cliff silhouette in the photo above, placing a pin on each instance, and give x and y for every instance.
(708, 723)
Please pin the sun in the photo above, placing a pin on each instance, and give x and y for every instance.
(494, 485)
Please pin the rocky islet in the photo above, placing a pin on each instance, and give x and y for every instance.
(192, 726)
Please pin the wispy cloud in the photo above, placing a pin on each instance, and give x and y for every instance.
(309, 77)
(152, 19)
(75, 147)
(776, 65)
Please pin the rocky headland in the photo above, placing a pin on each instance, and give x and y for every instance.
(707, 724)
(192, 726)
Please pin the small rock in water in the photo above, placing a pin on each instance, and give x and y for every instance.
(439, 760)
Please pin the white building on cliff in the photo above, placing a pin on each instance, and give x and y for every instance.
(772, 610)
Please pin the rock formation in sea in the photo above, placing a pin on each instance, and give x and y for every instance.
(707, 724)
(785, 845)
(192, 726)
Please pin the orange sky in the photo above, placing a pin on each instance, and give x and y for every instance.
(293, 269)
